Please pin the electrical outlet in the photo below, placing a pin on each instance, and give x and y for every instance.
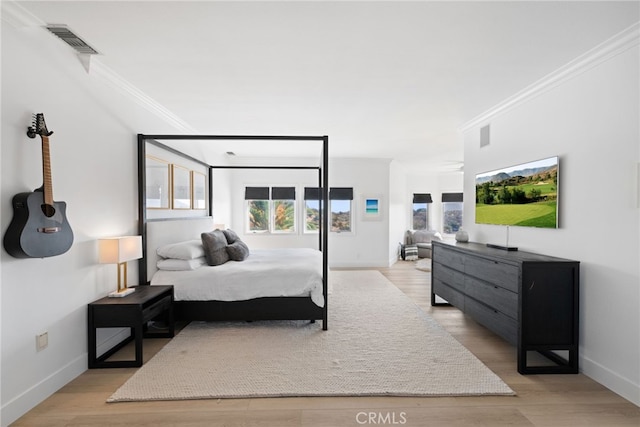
(42, 341)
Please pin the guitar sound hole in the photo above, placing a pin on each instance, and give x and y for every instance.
(48, 210)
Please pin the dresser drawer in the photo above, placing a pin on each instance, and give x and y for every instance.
(451, 295)
(451, 277)
(494, 296)
(451, 259)
(502, 325)
(501, 274)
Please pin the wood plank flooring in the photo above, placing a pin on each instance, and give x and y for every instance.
(542, 400)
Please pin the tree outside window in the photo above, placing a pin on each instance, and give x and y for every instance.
(284, 215)
(340, 206)
(420, 215)
(258, 215)
(452, 217)
(312, 215)
(451, 212)
(341, 215)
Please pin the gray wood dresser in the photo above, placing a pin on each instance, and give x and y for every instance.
(530, 300)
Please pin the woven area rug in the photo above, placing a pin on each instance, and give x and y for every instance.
(379, 343)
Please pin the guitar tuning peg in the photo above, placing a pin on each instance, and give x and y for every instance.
(31, 132)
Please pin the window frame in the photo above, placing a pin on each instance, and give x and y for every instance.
(266, 194)
(421, 199)
(449, 199)
(291, 190)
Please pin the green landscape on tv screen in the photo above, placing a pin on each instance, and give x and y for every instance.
(523, 195)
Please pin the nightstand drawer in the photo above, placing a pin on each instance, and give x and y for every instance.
(156, 309)
(132, 311)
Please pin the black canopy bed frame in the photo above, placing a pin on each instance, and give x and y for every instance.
(266, 308)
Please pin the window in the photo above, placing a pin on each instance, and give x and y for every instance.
(257, 199)
(451, 212)
(340, 201)
(271, 210)
(312, 209)
(420, 217)
(284, 209)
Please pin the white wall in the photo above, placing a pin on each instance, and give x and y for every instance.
(398, 207)
(93, 155)
(434, 183)
(592, 122)
(367, 244)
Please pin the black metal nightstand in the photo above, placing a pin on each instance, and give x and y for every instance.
(133, 311)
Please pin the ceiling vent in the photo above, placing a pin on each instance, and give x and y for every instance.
(67, 36)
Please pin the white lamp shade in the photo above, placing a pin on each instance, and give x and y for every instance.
(119, 249)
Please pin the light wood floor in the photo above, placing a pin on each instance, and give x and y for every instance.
(542, 400)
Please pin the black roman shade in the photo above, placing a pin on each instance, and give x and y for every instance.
(283, 193)
(451, 197)
(341, 193)
(312, 193)
(422, 198)
(256, 193)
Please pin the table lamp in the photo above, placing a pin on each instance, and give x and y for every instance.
(119, 250)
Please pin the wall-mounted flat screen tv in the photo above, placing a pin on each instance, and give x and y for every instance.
(523, 195)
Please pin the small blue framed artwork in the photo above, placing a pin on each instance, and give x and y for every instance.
(372, 208)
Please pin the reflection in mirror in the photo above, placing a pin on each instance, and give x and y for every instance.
(157, 183)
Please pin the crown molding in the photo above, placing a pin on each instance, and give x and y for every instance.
(18, 17)
(603, 52)
(101, 71)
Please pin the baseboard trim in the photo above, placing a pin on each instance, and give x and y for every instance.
(358, 264)
(610, 379)
(27, 400)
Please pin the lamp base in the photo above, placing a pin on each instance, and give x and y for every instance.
(122, 293)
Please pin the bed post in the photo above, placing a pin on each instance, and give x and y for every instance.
(142, 208)
(325, 230)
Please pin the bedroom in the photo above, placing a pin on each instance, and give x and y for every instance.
(95, 124)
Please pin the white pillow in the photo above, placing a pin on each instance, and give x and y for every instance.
(191, 249)
(181, 264)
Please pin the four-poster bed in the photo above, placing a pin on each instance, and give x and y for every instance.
(157, 232)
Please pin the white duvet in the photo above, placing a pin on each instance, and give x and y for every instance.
(265, 273)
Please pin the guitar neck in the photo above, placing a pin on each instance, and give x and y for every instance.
(46, 171)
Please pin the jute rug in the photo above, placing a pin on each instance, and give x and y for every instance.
(379, 343)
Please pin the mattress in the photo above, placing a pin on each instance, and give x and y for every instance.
(288, 272)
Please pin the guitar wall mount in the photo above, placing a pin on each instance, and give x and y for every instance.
(38, 128)
(31, 132)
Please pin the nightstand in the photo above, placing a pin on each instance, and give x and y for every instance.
(133, 311)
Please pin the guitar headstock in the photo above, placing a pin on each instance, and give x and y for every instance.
(39, 127)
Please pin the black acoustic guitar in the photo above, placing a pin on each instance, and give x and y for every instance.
(39, 227)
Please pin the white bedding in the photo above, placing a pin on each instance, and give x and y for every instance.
(265, 273)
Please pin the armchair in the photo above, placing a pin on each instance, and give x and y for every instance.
(422, 239)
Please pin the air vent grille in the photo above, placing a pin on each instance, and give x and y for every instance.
(485, 136)
(67, 36)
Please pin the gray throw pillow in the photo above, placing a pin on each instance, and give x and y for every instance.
(238, 250)
(230, 235)
(215, 247)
